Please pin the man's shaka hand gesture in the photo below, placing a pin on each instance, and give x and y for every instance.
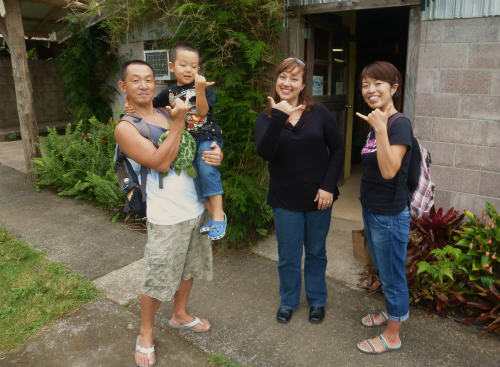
(177, 113)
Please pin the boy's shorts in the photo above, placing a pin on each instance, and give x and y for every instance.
(208, 181)
(173, 253)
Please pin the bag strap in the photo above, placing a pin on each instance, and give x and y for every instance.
(163, 113)
(143, 129)
(401, 180)
(393, 118)
(137, 122)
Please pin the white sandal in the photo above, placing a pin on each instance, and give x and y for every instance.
(147, 351)
(189, 325)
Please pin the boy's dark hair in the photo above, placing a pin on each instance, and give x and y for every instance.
(182, 46)
(123, 70)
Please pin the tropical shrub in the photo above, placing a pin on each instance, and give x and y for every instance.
(427, 233)
(481, 240)
(80, 163)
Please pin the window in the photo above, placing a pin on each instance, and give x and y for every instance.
(158, 59)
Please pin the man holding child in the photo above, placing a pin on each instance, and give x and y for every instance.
(176, 252)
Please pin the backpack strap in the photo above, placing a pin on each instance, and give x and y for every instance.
(163, 113)
(160, 175)
(393, 118)
(137, 122)
(400, 178)
(143, 129)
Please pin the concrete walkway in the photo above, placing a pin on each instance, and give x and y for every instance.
(241, 301)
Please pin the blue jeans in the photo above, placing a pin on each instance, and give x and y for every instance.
(295, 230)
(208, 181)
(387, 237)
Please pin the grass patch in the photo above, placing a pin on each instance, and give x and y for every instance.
(215, 359)
(34, 291)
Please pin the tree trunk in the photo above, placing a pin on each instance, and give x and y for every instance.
(22, 81)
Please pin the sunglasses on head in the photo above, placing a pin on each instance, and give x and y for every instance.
(299, 61)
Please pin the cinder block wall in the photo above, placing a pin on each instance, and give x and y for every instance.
(457, 109)
(48, 93)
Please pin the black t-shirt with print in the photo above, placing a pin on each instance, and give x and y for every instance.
(381, 196)
(201, 128)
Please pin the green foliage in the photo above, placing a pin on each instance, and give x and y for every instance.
(481, 238)
(80, 163)
(215, 359)
(448, 260)
(34, 291)
(86, 63)
(238, 42)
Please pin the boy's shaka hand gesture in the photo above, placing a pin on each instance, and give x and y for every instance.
(201, 83)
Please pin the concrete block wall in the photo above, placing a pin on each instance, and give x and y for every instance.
(48, 93)
(457, 109)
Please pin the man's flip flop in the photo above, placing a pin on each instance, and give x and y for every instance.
(189, 325)
(371, 318)
(144, 350)
(373, 350)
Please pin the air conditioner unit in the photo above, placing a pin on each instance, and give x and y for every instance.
(158, 59)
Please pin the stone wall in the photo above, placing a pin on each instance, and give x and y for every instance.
(457, 109)
(48, 93)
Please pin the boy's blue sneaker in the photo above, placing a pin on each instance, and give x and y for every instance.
(218, 229)
(206, 228)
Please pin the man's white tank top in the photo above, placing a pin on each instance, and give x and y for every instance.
(177, 201)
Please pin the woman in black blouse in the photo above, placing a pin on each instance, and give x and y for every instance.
(303, 144)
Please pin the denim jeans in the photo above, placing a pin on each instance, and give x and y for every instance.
(208, 181)
(387, 237)
(296, 230)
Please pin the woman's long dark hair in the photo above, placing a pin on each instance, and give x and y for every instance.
(385, 71)
(288, 65)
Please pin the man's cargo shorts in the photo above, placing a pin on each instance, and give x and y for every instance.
(173, 253)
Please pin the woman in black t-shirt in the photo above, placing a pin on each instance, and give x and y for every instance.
(303, 145)
(384, 198)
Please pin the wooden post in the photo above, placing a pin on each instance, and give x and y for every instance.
(22, 81)
(411, 62)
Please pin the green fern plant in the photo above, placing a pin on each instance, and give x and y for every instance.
(80, 163)
(449, 260)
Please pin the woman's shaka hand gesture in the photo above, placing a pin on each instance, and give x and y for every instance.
(284, 106)
(377, 118)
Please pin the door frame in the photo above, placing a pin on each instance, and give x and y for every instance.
(296, 33)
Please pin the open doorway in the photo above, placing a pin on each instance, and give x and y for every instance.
(337, 46)
(381, 34)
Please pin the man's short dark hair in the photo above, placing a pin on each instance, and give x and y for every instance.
(123, 71)
(182, 46)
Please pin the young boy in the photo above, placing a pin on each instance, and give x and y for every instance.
(184, 63)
